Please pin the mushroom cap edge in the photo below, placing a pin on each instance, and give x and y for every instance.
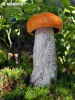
(42, 20)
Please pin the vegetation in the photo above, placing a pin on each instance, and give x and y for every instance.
(9, 80)
(14, 78)
(15, 87)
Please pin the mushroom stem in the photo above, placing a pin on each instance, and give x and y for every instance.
(44, 57)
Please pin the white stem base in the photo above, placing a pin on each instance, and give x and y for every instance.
(44, 57)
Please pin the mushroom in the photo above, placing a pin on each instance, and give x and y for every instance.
(44, 25)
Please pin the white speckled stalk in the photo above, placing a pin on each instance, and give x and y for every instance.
(44, 57)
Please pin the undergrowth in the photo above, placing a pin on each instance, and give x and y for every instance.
(14, 85)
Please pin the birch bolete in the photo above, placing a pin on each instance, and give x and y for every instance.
(44, 26)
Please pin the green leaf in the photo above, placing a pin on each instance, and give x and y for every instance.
(11, 10)
(54, 3)
(65, 3)
(30, 6)
(1, 26)
(1, 10)
(39, 1)
(30, 1)
(2, 20)
(48, 2)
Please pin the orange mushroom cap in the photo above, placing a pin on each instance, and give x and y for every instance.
(43, 20)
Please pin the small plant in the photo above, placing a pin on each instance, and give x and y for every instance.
(36, 93)
(10, 78)
(17, 94)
